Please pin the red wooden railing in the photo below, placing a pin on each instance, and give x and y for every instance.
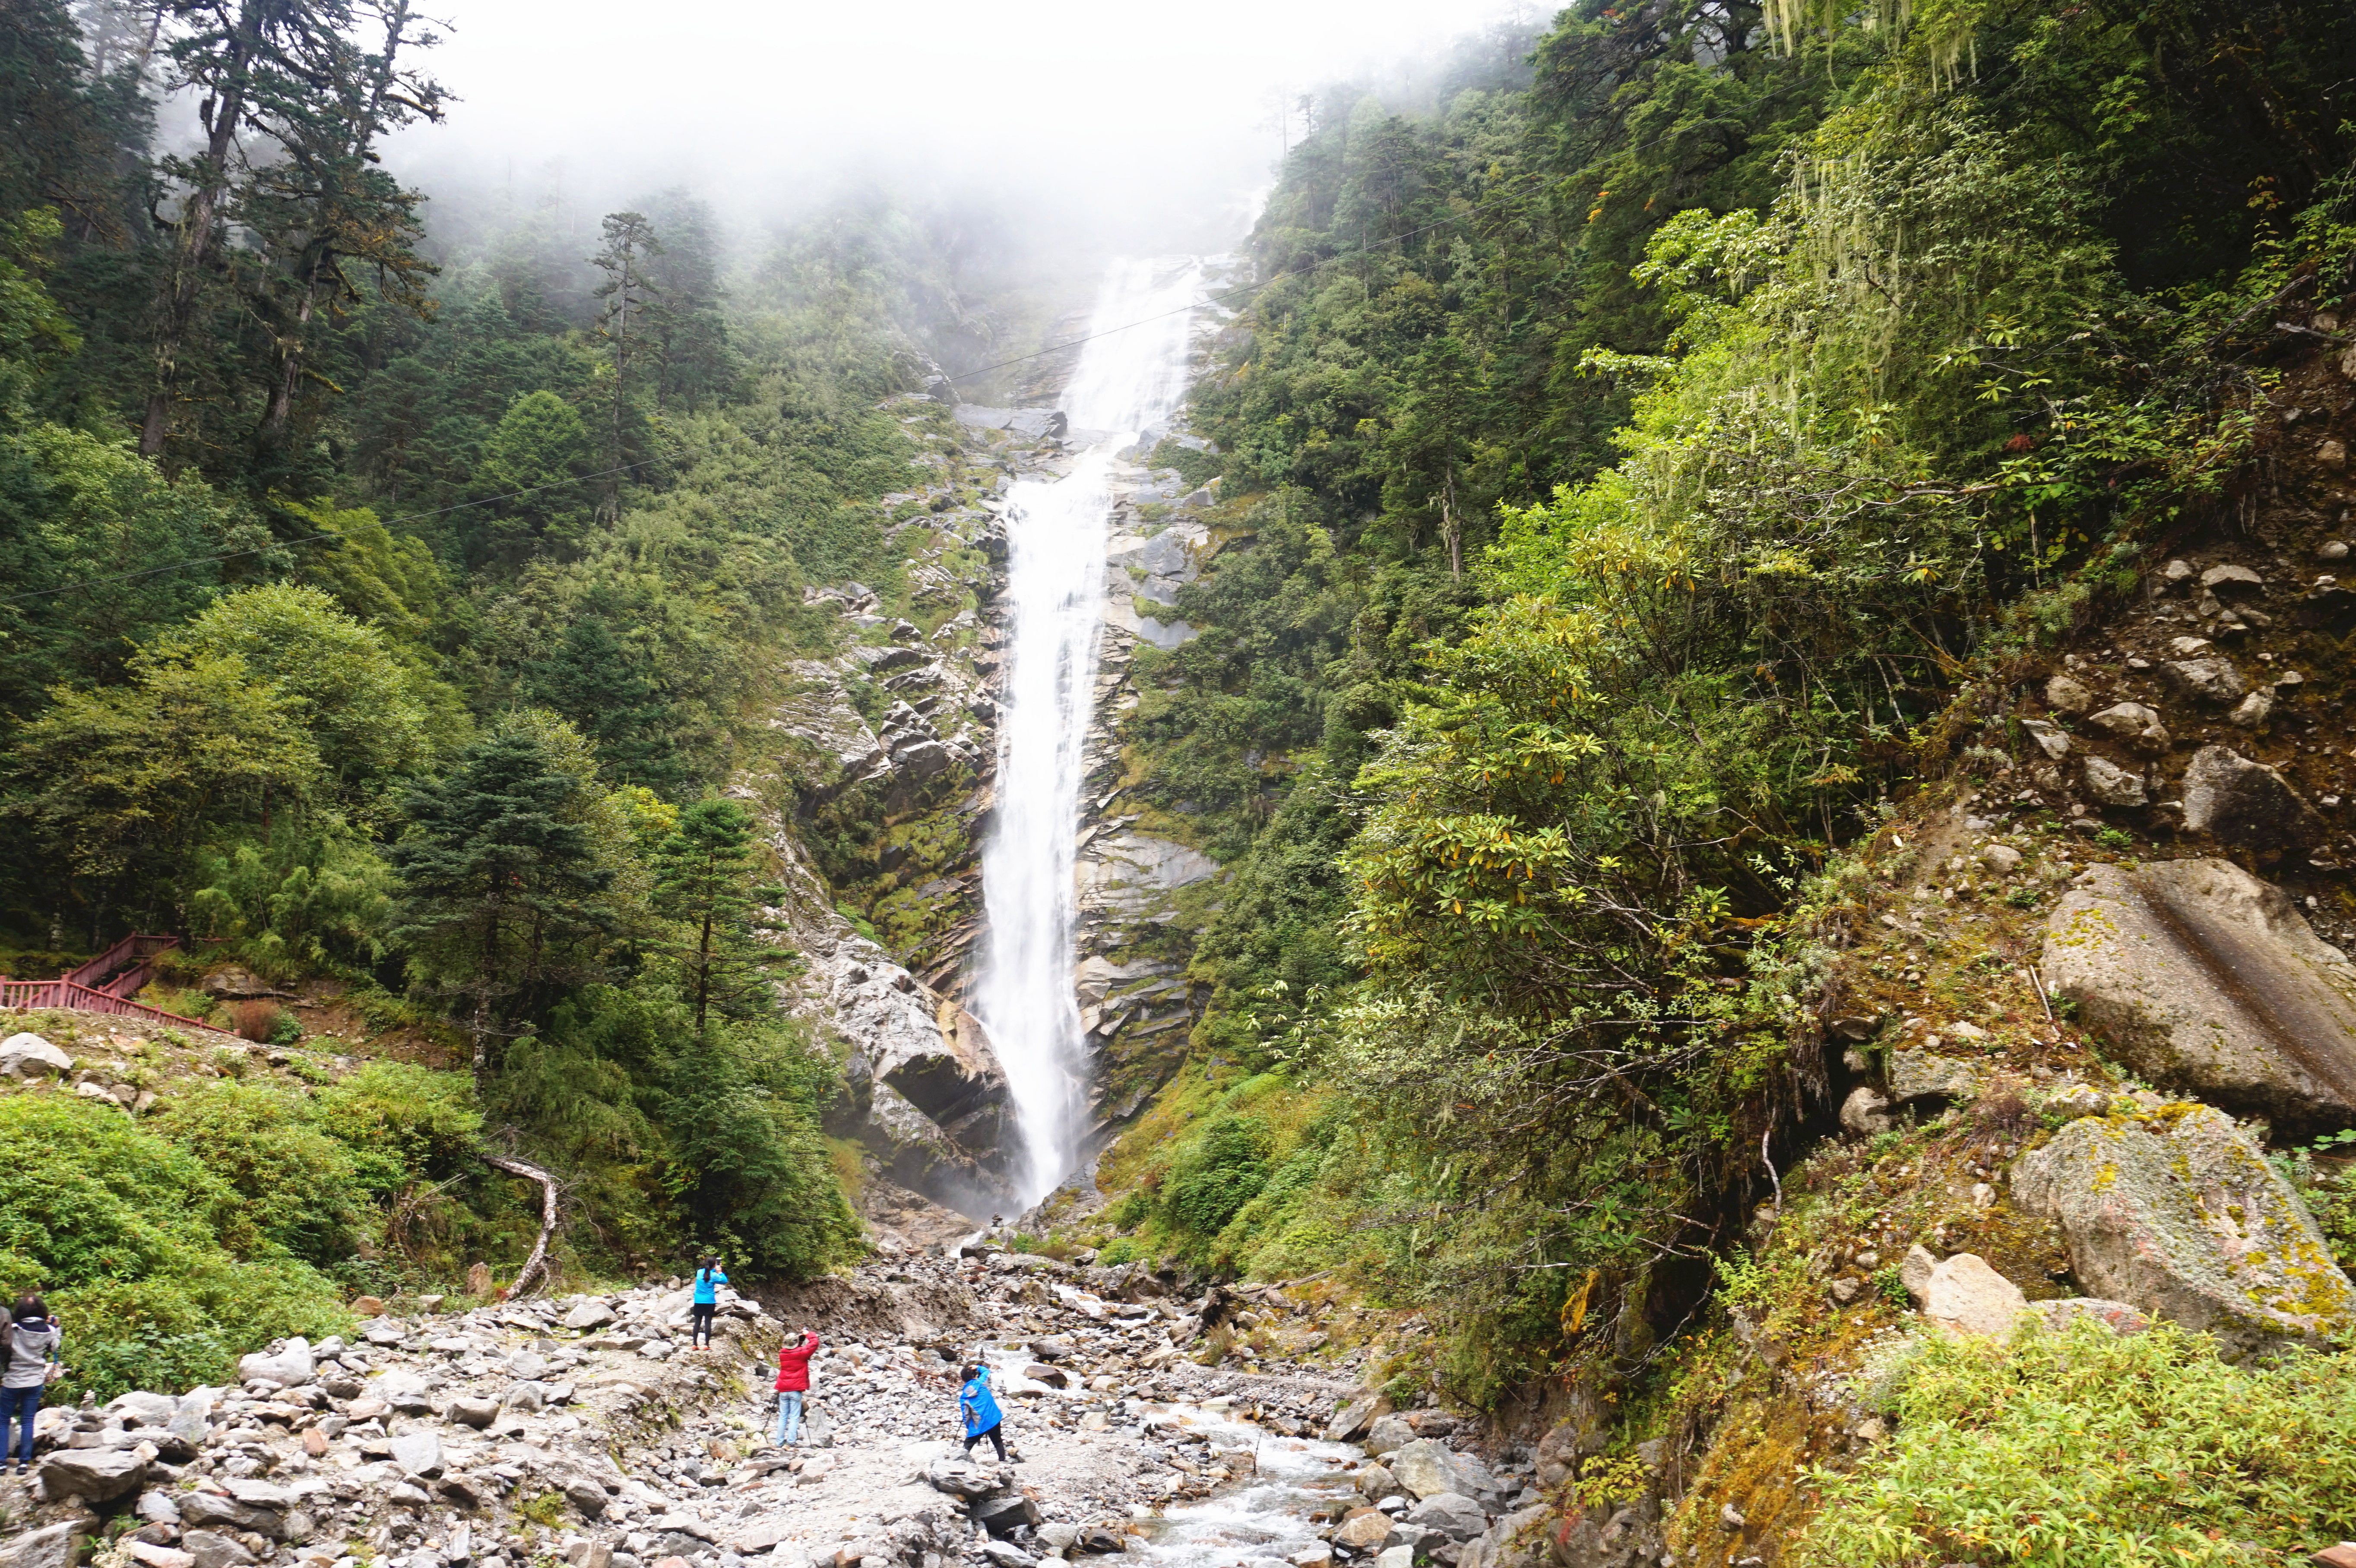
(90, 988)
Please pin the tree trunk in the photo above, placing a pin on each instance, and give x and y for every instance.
(536, 1265)
(193, 251)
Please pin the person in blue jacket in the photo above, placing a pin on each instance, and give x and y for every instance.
(979, 1411)
(709, 1278)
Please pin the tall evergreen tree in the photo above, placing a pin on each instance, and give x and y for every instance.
(601, 683)
(704, 881)
(499, 889)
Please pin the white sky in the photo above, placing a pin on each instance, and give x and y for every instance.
(1099, 112)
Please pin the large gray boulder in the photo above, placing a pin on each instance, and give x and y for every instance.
(2176, 1214)
(1453, 1514)
(51, 1548)
(2210, 982)
(95, 1474)
(2237, 801)
(1427, 1467)
(290, 1366)
(1389, 1433)
(30, 1056)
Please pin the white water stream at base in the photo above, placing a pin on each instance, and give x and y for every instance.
(1126, 381)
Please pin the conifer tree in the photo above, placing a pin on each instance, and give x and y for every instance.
(499, 889)
(704, 881)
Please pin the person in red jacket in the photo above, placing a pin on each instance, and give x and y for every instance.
(793, 1382)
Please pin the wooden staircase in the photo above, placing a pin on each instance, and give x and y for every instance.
(105, 985)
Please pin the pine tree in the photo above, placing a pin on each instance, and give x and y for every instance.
(704, 881)
(499, 889)
(598, 681)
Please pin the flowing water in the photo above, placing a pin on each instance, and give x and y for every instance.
(1259, 1521)
(1126, 381)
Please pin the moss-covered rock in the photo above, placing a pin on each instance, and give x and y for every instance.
(2174, 1213)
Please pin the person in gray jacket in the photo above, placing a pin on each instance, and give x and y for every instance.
(33, 1338)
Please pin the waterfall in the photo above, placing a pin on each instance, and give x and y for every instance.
(1125, 382)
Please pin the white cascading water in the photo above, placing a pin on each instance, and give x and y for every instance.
(1127, 380)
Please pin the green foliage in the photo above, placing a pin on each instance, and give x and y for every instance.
(535, 472)
(746, 1158)
(294, 1182)
(498, 888)
(2077, 1447)
(1226, 1169)
(312, 897)
(703, 881)
(146, 1251)
(372, 715)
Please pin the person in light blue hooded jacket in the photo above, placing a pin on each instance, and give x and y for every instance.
(979, 1411)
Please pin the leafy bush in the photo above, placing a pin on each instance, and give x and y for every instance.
(1224, 1172)
(295, 1182)
(2078, 1446)
(152, 1259)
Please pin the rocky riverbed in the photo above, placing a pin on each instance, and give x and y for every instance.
(585, 1429)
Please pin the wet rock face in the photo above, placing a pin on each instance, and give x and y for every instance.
(2208, 981)
(2177, 1215)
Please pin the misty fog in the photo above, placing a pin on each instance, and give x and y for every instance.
(1086, 127)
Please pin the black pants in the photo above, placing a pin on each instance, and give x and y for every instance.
(700, 1333)
(995, 1441)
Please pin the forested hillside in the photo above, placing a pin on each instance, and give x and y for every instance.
(1658, 486)
(387, 604)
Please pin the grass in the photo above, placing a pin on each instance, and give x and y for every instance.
(2075, 1448)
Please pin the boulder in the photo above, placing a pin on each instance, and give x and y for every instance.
(475, 1412)
(55, 1547)
(2204, 679)
(210, 1549)
(1003, 1514)
(1864, 1111)
(2116, 1315)
(1966, 1294)
(1391, 1432)
(2112, 784)
(1354, 1419)
(1525, 1539)
(2049, 737)
(2176, 1214)
(1919, 1074)
(2237, 801)
(1914, 1272)
(2208, 981)
(192, 1419)
(289, 1366)
(152, 1555)
(30, 1056)
(2133, 722)
(1363, 1529)
(1427, 1467)
(1376, 1482)
(761, 1534)
(2068, 694)
(417, 1453)
(138, 1409)
(590, 1314)
(97, 1475)
(1453, 1514)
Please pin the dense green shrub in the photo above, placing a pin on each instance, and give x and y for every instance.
(2078, 1446)
(152, 1260)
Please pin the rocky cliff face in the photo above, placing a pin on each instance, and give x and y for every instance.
(890, 746)
(2053, 981)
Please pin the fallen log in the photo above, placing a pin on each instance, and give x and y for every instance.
(538, 1263)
